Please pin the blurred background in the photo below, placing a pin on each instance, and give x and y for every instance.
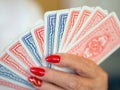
(16, 16)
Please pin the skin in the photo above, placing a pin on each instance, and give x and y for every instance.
(88, 75)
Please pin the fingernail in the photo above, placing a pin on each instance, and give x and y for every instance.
(37, 71)
(35, 81)
(53, 59)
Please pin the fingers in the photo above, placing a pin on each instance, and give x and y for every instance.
(62, 79)
(88, 73)
(42, 85)
(82, 66)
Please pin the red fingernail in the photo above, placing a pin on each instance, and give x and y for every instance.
(38, 71)
(35, 81)
(53, 59)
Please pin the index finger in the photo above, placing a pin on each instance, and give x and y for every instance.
(80, 65)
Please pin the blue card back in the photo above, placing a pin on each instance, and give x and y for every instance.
(62, 22)
(30, 45)
(50, 33)
(6, 73)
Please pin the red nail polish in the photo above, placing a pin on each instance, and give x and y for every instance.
(53, 59)
(37, 71)
(35, 81)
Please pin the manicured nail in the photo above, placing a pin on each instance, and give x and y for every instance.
(53, 59)
(35, 81)
(38, 71)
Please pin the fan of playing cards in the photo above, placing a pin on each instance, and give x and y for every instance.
(90, 32)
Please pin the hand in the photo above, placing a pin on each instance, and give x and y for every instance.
(88, 75)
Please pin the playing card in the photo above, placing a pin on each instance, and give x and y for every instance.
(60, 25)
(73, 14)
(97, 15)
(6, 83)
(101, 41)
(17, 51)
(50, 24)
(7, 61)
(8, 75)
(83, 16)
(38, 36)
(29, 45)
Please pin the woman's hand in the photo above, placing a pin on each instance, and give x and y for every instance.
(88, 75)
